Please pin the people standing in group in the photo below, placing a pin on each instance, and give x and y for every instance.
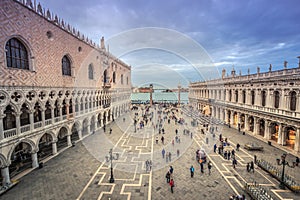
(192, 169)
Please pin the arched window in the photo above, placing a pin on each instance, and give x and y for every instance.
(66, 66)
(263, 98)
(230, 95)
(127, 80)
(252, 97)
(91, 72)
(236, 96)
(276, 99)
(122, 79)
(244, 96)
(293, 101)
(105, 76)
(16, 54)
(114, 77)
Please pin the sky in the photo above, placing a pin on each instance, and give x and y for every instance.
(171, 42)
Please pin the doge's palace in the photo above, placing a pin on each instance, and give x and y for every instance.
(264, 104)
(56, 86)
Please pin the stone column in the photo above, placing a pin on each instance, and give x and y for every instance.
(54, 147)
(52, 115)
(267, 134)
(268, 98)
(80, 133)
(226, 116)
(67, 110)
(73, 108)
(18, 123)
(69, 140)
(88, 128)
(31, 120)
(43, 117)
(255, 128)
(239, 120)
(5, 175)
(246, 123)
(34, 159)
(257, 98)
(60, 113)
(1, 127)
(282, 104)
(231, 117)
(279, 141)
(297, 140)
(95, 124)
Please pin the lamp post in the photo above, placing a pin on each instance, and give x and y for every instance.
(283, 162)
(110, 158)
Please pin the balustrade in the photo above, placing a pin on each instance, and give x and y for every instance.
(25, 128)
(10, 133)
(37, 125)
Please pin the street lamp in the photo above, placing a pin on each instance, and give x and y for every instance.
(283, 162)
(110, 158)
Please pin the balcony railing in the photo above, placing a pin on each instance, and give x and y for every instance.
(48, 122)
(10, 133)
(57, 119)
(37, 125)
(25, 128)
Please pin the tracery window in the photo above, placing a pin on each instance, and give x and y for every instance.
(236, 96)
(293, 101)
(276, 99)
(66, 66)
(91, 72)
(16, 54)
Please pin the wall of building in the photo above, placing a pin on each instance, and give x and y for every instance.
(41, 106)
(248, 104)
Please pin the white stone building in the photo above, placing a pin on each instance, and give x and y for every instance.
(56, 86)
(265, 104)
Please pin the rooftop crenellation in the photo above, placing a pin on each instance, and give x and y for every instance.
(54, 19)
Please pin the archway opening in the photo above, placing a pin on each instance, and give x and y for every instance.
(75, 135)
(45, 146)
(20, 159)
(274, 131)
(261, 127)
(251, 123)
(290, 136)
(62, 139)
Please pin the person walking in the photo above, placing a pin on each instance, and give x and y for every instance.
(228, 155)
(209, 165)
(162, 139)
(156, 139)
(163, 153)
(252, 166)
(167, 157)
(178, 152)
(170, 156)
(172, 185)
(171, 170)
(201, 166)
(192, 169)
(248, 167)
(234, 162)
(168, 176)
(110, 131)
(215, 148)
(238, 146)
